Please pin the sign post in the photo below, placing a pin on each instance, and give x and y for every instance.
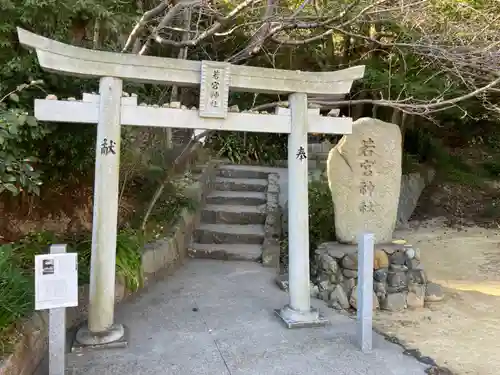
(56, 287)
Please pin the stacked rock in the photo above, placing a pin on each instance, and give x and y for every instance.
(399, 280)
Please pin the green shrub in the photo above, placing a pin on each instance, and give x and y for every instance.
(240, 147)
(321, 213)
(18, 157)
(16, 290)
(321, 219)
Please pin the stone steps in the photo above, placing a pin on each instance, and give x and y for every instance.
(240, 184)
(230, 234)
(233, 214)
(227, 251)
(241, 171)
(241, 198)
(232, 222)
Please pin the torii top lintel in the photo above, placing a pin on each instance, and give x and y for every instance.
(75, 61)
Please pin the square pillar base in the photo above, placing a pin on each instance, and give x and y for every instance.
(299, 319)
(114, 338)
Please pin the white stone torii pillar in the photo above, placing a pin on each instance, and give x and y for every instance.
(110, 110)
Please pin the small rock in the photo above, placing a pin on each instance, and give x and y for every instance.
(349, 284)
(399, 257)
(314, 289)
(143, 105)
(417, 276)
(156, 106)
(184, 107)
(350, 261)
(434, 293)
(133, 95)
(353, 300)
(416, 296)
(380, 259)
(417, 253)
(176, 105)
(397, 280)
(71, 99)
(166, 105)
(333, 249)
(410, 253)
(380, 289)
(351, 274)
(193, 108)
(394, 302)
(398, 268)
(51, 97)
(321, 276)
(329, 264)
(412, 263)
(333, 112)
(339, 296)
(380, 275)
(125, 94)
(335, 278)
(282, 281)
(324, 285)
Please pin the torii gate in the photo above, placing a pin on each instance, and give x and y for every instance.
(109, 110)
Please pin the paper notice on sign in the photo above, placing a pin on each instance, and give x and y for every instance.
(56, 281)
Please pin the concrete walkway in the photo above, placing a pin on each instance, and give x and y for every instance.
(216, 318)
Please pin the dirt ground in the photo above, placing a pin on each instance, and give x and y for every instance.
(462, 332)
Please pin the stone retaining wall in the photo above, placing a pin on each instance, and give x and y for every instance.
(160, 258)
(399, 280)
(272, 225)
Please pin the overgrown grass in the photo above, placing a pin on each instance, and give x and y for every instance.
(129, 244)
(16, 294)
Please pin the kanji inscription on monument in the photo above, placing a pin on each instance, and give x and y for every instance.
(368, 147)
(214, 89)
(367, 186)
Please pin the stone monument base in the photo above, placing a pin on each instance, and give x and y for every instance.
(399, 280)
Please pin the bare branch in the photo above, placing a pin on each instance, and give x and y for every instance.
(259, 37)
(146, 17)
(209, 32)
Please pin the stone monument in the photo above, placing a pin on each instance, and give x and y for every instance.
(364, 176)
